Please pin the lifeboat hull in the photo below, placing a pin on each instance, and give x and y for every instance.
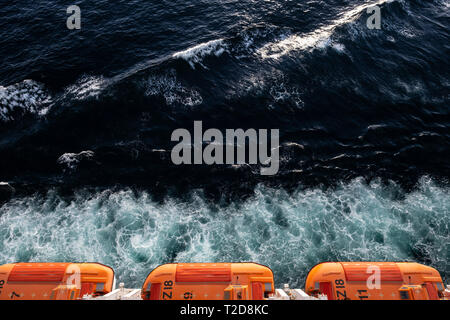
(209, 281)
(54, 281)
(375, 281)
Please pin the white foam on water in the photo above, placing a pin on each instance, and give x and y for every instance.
(86, 87)
(338, 47)
(28, 96)
(288, 232)
(319, 38)
(71, 160)
(282, 93)
(274, 85)
(197, 53)
(407, 33)
(167, 86)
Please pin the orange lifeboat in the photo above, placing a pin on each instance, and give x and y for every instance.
(54, 281)
(209, 281)
(375, 281)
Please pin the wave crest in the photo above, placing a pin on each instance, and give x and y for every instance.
(197, 53)
(319, 38)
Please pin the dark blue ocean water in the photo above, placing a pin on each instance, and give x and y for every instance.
(86, 118)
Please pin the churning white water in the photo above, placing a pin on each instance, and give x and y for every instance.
(288, 232)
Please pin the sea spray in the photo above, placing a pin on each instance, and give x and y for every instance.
(289, 232)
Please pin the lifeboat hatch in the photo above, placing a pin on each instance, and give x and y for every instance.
(431, 290)
(412, 292)
(87, 288)
(236, 292)
(155, 289)
(326, 289)
(405, 294)
(257, 291)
